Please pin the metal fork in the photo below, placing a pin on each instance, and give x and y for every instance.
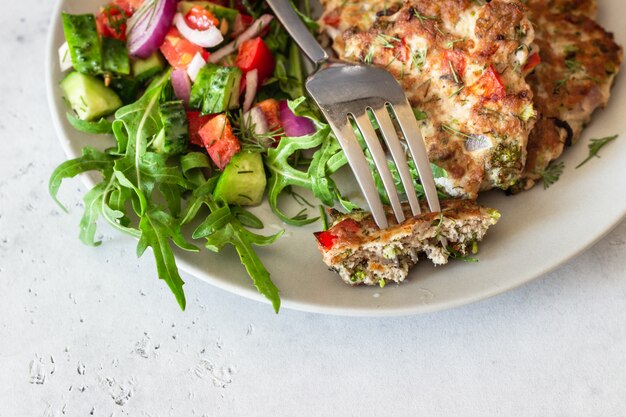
(347, 93)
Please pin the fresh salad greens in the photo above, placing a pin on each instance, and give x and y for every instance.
(200, 132)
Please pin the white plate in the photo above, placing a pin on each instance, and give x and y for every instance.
(539, 230)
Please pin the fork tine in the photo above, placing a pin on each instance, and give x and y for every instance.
(380, 160)
(397, 152)
(352, 149)
(410, 130)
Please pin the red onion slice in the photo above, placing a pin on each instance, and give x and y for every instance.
(253, 31)
(194, 67)
(256, 119)
(294, 126)
(181, 85)
(205, 38)
(252, 84)
(149, 25)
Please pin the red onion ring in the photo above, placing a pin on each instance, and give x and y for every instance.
(294, 126)
(147, 30)
(181, 85)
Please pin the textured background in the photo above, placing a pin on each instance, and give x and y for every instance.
(90, 331)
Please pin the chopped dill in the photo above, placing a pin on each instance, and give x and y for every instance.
(595, 145)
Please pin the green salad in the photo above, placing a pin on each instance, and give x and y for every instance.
(206, 103)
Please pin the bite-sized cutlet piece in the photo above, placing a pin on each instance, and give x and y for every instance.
(461, 64)
(579, 62)
(361, 253)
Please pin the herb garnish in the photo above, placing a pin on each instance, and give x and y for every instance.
(595, 145)
(551, 174)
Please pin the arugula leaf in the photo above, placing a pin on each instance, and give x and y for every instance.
(225, 225)
(595, 145)
(221, 228)
(284, 174)
(93, 201)
(91, 159)
(134, 126)
(156, 227)
(103, 126)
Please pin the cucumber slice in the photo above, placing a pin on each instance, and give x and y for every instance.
(174, 137)
(88, 96)
(115, 56)
(143, 69)
(216, 89)
(83, 41)
(243, 180)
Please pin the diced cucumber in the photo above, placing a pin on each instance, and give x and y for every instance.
(216, 89)
(143, 69)
(220, 12)
(174, 136)
(83, 41)
(243, 180)
(115, 56)
(126, 87)
(88, 96)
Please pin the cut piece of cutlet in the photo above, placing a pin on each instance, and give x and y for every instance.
(361, 253)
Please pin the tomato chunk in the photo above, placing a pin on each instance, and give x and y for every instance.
(199, 18)
(325, 239)
(456, 63)
(219, 140)
(342, 229)
(533, 61)
(196, 120)
(179, 51)
(112, 19)
(254, 54)
(271, 110)
(490, 85)
(333, 18)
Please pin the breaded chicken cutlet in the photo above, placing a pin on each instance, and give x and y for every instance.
(361, 253)
(460, 64)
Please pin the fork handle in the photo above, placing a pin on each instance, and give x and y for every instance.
(298, 30)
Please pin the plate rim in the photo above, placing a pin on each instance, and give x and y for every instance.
(309, 307)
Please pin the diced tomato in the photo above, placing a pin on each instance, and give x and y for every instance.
(456, 62)
(196, 120)
(271, 110)
(326, 239)
(112, 19)
(242, 22)
(490, 85)
(333, 18)
(533, 61)
(199, 18)
(219, 140)
(254, 54)
(403, 52)
(344, 228)
(179, 51)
